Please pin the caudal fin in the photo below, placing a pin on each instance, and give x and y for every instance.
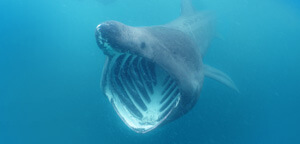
(219, 76)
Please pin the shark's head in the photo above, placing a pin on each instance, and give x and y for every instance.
(114, 38)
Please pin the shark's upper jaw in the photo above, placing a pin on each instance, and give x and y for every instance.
(141, 92)
(109, 37)
(103, 40)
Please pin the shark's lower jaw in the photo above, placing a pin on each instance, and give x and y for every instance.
(141, 92)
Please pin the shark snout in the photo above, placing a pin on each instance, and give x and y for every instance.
(109, 36)
(107, 31)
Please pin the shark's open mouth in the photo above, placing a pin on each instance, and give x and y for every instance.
(142, 93)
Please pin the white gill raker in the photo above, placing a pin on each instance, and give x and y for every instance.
(106, 82)
(129, 85)
(151, 70)
(168, 88)
(139, 81)
(168, 110)
(167, 84)
(136, 79)
(119, 89)
(173, 96)
(143, 69)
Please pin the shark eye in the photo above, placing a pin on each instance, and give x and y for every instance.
(143, 45)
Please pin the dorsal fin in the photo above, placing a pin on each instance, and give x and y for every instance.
(198, 25)
(186, 7)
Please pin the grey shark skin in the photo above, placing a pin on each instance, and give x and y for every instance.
(154, 75)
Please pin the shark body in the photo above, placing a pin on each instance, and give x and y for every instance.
(154, 75)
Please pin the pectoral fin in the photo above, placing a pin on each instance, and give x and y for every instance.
(219, 76)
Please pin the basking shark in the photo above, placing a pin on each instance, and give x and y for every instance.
(154, 75)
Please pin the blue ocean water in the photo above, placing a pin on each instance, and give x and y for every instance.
(50, 68)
